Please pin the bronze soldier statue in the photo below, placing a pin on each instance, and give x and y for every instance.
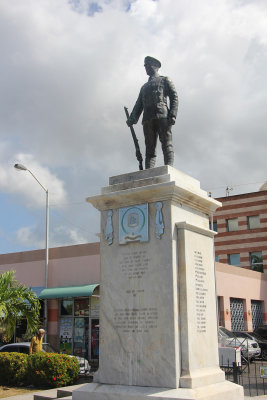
(158, 118)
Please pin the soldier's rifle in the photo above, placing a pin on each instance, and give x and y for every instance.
(136, 144)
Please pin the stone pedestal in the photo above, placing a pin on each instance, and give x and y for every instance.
(158, 331)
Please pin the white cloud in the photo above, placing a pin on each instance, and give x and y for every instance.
(27, 237)
(34, 236)
(24, 184)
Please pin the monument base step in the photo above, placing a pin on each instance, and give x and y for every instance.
(219, 391)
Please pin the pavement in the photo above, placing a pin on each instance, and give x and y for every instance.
(46, 394)
(52, 394)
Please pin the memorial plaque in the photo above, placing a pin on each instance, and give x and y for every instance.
(133, 224)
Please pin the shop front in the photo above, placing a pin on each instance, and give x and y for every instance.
(78, 319)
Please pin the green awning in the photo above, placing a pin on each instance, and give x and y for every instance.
(68, 291)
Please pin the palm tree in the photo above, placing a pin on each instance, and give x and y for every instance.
(17, 302)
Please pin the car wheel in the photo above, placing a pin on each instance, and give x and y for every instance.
(264, 354)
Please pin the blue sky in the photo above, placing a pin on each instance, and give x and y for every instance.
(68, 68)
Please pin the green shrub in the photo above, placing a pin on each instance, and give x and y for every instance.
(13, 368)
(52, 370)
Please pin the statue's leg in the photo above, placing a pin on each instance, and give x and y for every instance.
(150, 134)
(165, 136)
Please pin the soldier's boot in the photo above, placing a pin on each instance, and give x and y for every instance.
(169, 158)
(150, 162)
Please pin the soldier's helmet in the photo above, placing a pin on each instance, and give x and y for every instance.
(152, 61)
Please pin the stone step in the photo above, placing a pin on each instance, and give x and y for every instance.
(66, 398)
(66, 392)
(61, 393)
(45, 394)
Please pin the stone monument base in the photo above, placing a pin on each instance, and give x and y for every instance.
(218, 391)
(158, 325)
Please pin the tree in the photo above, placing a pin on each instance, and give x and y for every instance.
(256, 262)
(17, 302)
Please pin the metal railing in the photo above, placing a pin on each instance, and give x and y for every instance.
(249, 376)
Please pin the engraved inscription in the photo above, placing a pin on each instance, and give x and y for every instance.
(134, 264)
(201, 292)
(135, 320)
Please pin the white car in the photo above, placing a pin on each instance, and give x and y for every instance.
(24, 347)
(250, 348)
(229, 355)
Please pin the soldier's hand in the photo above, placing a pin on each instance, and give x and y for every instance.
(171, 120)
(130, 122)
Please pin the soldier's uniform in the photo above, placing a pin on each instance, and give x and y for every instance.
(157, 117)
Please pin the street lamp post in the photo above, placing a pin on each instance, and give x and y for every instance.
(23, 168)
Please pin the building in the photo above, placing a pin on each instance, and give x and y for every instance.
(241, 224)
(242, 297)
(72, 293)
(74, 276)
(241, 241)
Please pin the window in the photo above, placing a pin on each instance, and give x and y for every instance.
(11, 349)
(95, 339)
(78, 322)
(253, 222)
(81, 307)
(234, 259)
(237, 314)
(256, 261)
(217, 258)
(66, 307)
(213, 226)
(257, 312)
(24, 349)
(232, 224)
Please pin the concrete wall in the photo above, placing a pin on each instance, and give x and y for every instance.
(68, 266)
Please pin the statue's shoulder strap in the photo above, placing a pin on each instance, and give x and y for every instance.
(165, 80)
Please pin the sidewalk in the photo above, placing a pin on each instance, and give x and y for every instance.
(50, 393)
(46, 394)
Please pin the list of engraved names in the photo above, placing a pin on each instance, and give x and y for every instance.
(201, 292)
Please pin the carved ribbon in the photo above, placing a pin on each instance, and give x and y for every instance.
(109, 228)
(159, 224)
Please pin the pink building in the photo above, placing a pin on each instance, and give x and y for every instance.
(73, 294)
(241, 241)
(242, 297)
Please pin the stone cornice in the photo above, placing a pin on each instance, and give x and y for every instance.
(166, 191)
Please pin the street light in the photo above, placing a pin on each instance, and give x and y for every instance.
(23, 168)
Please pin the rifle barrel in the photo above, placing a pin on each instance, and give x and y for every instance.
(137, 148)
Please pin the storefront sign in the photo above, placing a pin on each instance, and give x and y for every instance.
(65, 332)
(263, 372)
